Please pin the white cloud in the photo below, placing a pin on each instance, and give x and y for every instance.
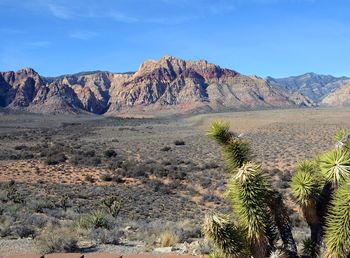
(60, 11)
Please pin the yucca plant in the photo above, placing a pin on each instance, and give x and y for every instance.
(236, 151)
(337, 236)
(321, 187)
(229, 240)
(335, 165)
(248, 190)
(310, 248)
(307, 187)
(253, 199)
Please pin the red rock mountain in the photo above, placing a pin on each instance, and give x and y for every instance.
(168, 84)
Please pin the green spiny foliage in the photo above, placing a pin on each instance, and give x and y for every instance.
(310, 248)
(248, 191)
(226, 236)
(236, 151)
(96, 219)
(259, 211)
(337, 236)
(306, 183)
(220, 132)
(335, 165)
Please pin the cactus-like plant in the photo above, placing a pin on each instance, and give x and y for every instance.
(236, 151)
(307, 188)
(337, 236)
(321, 187)
(310, 248)
(251, 194)
(335, 165)
(226, 236)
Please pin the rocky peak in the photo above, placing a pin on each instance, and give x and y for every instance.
(172, 67)
(27, 71)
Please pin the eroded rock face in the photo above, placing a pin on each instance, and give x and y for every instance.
(168, 83)
(340, 97)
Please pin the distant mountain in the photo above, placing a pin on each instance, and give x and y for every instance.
(340, 97)
(314, 86)
(158, 85)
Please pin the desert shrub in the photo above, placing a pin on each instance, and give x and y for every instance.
(37, 220)
(118, 179)
(110, 153)
(105, 236)
(96, 219)
(166, 148)
(55, 158)
(168, 238)
(114, 204)
(40, 205)
(89, 179)
(106, 177)
(21, 147)
(23, 231)
(178, 175)
(179, 142)
(5, 227)
(90, 153)
(12, 193)
(95, 161)
(57, 239)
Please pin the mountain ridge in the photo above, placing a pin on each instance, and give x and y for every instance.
(158, 85)
(313, 85)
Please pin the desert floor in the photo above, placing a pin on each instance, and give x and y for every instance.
(165, 172)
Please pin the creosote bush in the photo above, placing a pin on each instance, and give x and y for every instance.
(321, 187)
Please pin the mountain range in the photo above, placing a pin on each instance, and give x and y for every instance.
(167, 84)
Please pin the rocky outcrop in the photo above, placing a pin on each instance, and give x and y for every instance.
(158, 85)
(340, 97)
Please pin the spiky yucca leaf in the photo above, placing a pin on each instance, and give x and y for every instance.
(248, 191)
(335, 165)
(337, 236)
(310, 248)
(220, 132)
(278, 254)
(236, 153)
(225, 235)
(247, 171)
(306, 183)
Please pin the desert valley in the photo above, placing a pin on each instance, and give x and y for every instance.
(121, 163)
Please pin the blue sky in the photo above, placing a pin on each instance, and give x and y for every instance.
(262, 37)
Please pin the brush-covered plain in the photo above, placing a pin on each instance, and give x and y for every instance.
(101, 181)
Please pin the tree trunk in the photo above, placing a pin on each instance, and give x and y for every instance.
(281, 218)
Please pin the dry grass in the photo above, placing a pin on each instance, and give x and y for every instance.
(168, 238)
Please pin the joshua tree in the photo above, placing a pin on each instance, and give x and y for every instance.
(321, 187)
